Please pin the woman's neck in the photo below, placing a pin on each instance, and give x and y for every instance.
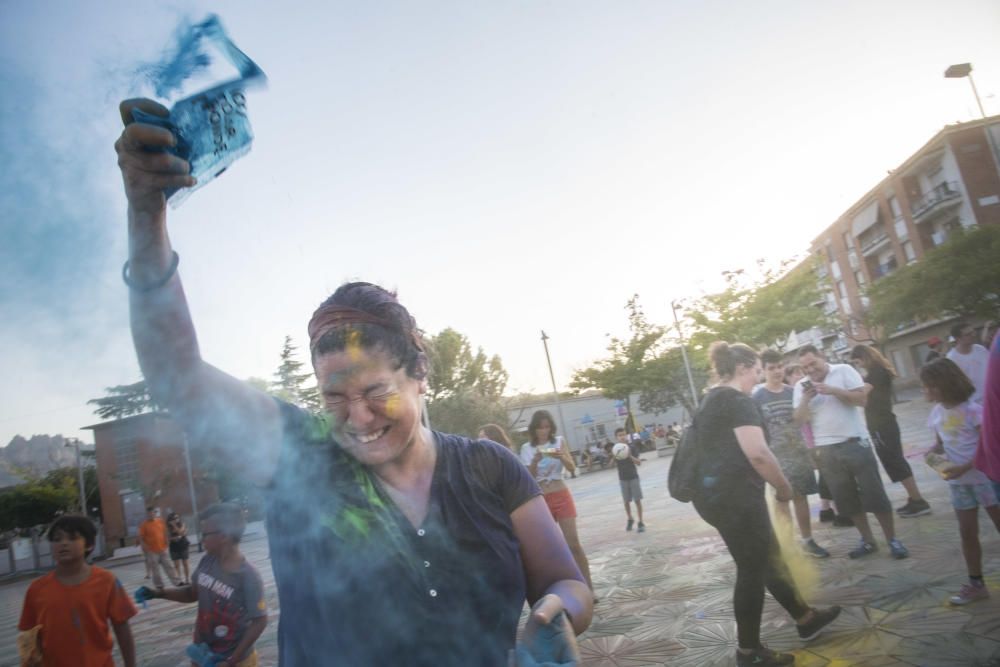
(414, 466)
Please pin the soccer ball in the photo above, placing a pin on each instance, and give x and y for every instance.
(621, 451)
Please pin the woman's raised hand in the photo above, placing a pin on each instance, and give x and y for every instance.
(147, 169)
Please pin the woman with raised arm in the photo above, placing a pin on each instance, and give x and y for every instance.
(390, 543)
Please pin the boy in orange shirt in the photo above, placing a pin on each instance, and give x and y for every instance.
(74, 603)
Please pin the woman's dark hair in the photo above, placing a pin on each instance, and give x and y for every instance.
(944, 376)
(228, 518)
(726, 357)
(872, 357)
(536, 422)
(399, 337)
(497, 435)
(74, 525)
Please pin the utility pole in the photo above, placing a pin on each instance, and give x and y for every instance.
(684, 354)
(555, 392)
(194, 499)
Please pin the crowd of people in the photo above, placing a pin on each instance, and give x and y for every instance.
(378, 526)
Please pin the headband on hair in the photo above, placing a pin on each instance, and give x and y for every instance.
(332, 316)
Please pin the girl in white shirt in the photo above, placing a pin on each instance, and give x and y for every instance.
(955, 420)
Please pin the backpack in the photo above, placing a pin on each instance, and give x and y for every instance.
(684, 478)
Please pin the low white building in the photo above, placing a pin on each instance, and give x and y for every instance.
(590, 417)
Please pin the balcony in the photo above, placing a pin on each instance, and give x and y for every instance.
(942, 197)
(870, 242)
(882, 270)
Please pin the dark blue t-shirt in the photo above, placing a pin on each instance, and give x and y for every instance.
(359, 585)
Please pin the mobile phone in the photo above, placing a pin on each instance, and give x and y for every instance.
(807, 385)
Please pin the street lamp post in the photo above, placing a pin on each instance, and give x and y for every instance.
(555, 392)
(684, 354)
(964, 71)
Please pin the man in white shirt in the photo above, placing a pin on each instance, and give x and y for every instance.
(970, 356)
(831, 398)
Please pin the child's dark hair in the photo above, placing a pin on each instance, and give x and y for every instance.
(74, 525)
(228, 517)
(952, 385)
(770, 356)
(619, 430)
(536, 423)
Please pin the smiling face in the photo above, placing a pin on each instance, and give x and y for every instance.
(814, 366)
(374, 406)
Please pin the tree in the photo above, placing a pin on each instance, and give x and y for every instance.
(124, 400)
(621, 374)
(292, 385)
(665, 381)
(961, 277)
(759, 311)
(34, 503)
(67, 480)
(465, 388)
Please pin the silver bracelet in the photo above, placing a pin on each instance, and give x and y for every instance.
(157, 284)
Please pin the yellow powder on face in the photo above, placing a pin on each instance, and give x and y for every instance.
(353, 345)
(393, 405)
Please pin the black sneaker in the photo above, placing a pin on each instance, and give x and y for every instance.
(826, 516)
(841, 521)
(821, 618)
(863, 549)
(763, 657)
(642, 527)
(914, 508)
(628, 526)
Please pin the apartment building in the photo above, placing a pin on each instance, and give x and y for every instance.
(952, 181)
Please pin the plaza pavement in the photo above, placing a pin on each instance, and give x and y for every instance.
(665, 595)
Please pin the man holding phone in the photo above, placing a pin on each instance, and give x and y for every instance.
(831, 398)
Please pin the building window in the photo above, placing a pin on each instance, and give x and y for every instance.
(127, 464)
(902, 233)
(835, 270)
(894, 207)
(842, 289)
(848, 241)
(911, 255)
(859, 278)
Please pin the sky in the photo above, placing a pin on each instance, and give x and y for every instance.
(507, 167)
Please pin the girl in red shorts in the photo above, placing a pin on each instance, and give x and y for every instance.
(546, 455)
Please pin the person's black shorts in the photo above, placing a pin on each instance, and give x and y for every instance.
(851, 472)
(889, 447)
(179, 549)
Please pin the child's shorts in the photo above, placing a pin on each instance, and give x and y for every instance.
(561, 504)
(971, 496)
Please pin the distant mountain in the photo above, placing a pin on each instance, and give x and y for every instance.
(37, 455)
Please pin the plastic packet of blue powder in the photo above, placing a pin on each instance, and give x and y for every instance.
(211, 126)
